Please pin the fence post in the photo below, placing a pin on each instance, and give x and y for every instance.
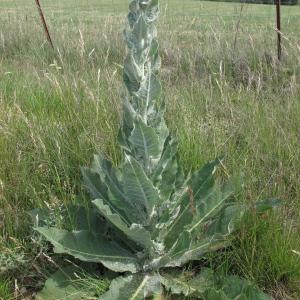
(278, 21)
(44, 23)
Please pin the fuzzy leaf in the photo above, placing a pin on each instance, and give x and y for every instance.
(132, 74)
(139, 189)
(196, 194)
(179, 283)
(232, 288)
(211, 205)
(166, 172)
(103, 180)
(185, 250)
(150, 89)
(226, 222)
(135, 233)
(107, 192)
(145, 144)
(65, 285)
(87, 247)
(209, 286)
(133, 287)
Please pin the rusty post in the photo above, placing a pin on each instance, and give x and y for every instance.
(44, 23)
(278, 21)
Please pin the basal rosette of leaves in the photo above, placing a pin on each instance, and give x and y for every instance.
(148, 217)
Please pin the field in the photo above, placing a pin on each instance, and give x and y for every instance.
(226, 95)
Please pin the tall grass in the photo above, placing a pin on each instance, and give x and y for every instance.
(59, 108)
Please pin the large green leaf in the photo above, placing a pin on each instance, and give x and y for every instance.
(133, 287)
(226, 222)
(180, 283)
(139, 189)
(186, 249)
(194, 203)
(230, 218)
(145, 144)
(132, 75)
(87, 247)
(211, 205)
(150, 89)
(111, 177)
(135, 232)
(232, 288)
(167, 171)
(129, 115)
(139, 40)
(75, 217)
(155, 57)
(94, 183)
(209, 286)
(66, 284)
(100, 189)
(105, 183)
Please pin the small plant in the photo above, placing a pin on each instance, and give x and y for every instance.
(11, 262)
(148, 217)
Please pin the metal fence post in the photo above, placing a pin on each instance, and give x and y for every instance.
(44, 23)
(278, 21)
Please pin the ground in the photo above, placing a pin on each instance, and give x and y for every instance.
(226, 95)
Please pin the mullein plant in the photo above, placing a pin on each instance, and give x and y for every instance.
(148, 218)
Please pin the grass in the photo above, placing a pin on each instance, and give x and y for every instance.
(59, 108)
(5, 291)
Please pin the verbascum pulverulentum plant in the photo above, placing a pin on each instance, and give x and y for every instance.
(148, 217)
